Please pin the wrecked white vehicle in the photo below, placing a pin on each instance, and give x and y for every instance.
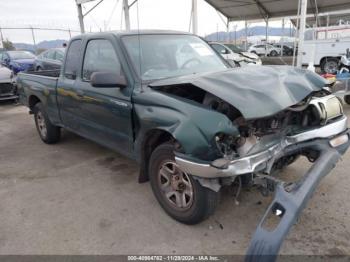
(7, 86)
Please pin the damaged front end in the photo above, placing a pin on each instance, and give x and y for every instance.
(315, 128)
(278, 118)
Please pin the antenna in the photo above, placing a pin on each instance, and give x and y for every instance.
(139, 39)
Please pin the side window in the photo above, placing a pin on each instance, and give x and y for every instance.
(44, 55)
(50, 54)
(72, 61)
(100, 57)
(59, 56)
(219, 48)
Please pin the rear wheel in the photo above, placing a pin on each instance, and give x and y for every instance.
(180, 195)
(48, 132)
(330, 65)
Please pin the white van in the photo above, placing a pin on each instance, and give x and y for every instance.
(325, 45)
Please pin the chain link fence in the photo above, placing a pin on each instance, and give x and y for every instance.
(35, 39)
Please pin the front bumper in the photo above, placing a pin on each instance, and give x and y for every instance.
(330, 141)
(261, 160)
(8, 91)
(265, 243)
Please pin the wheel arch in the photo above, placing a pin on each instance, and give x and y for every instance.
(32, 101)
(151, 140)
(323, 59)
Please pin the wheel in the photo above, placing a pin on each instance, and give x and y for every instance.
(347, 99)
(179, 194)
(254, 52)
(39, 68)
(48, 132)
(273, 53)
(330, 65)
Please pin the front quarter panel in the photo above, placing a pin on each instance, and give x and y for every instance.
(190, 123)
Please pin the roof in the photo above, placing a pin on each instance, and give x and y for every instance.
(322, 20)
(132, 32)
(237, 10)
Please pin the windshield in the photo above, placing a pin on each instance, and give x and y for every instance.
(234, 48)
(165, 56)
(20, 55)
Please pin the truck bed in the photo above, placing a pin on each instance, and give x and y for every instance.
(40, 85)
(48, 73)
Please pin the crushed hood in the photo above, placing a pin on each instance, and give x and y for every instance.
(255, 91)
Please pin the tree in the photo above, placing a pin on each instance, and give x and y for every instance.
(8, 45)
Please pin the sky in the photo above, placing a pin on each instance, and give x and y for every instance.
(153, 14)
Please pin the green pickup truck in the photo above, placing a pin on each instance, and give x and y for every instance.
(193, 123)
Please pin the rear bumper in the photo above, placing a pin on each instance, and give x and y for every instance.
(261, 160)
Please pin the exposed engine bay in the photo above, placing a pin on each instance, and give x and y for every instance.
(319, 108)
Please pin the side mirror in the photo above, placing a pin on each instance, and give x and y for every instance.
(347, 53)
(6, 60)
(107, 80)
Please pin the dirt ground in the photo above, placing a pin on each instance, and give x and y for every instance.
(77, 197)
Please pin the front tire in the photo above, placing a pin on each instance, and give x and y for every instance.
(330, 65)
(180, 195)
(273, 53)
(48, 132)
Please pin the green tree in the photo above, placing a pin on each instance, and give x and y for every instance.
(8, 45)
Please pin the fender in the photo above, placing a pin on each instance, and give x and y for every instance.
(190, 123)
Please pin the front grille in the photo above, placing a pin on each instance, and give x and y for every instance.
(6, 88)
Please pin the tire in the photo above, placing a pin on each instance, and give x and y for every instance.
(48, 132)
(39, 68)
(347, 99)
(330, 65)
(193, 208)
(254, 52)
(273, 53)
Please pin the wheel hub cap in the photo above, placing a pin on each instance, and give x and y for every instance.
(176, 186)
(41, 124)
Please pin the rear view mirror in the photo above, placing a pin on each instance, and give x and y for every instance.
(107, 79)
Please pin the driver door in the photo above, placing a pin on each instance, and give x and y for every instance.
(105, 112)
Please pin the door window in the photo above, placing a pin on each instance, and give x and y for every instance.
(72, 60)
(100, 57)
(50, 54)
(220, 49)
(59, 56)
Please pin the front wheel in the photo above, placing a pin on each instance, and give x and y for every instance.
(330, 65)
(180, 195)
(273, 53)
(48, 132)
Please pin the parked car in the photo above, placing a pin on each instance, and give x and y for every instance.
(7, 87)
(195, 125)
(260, 50)
(18, 61)
(231, 52)
(287, 50)
(50, 59)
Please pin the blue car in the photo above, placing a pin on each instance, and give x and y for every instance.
(18, 61)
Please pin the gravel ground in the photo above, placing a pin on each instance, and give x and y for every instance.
(77, 197)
